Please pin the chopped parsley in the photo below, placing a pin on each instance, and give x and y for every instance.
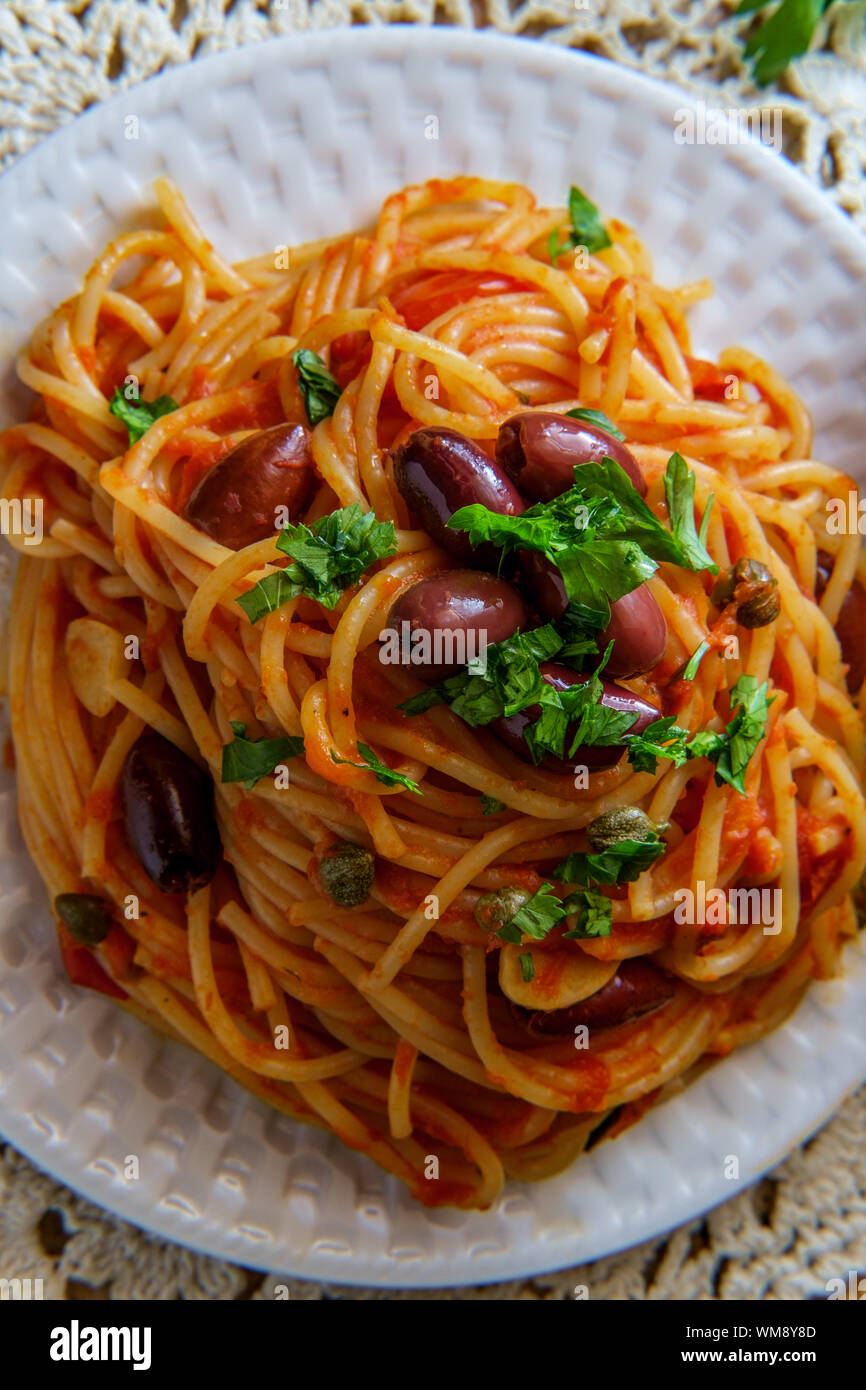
(594, 915)
(329, 556)
(383, 772)
(587, 228)
(690, 670)
(490, 806)
(248, 759)
(544, 911)
(620, 863)
(597, 418)
(319, 388)
(138, 416)
(600, 534)
(680, 497)
(527, 966)
(730, 749)
(512, 681)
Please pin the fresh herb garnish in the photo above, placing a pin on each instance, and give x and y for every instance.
(690, 670)
(680, 497)
(595, 915)
(248, 759)
(544, 911)
(587, 228)
(527, 966)
(383, 772)
(661, 739)
(319, 388)
(784, 36)
(512, 681)
(597, 418)
(729, 750)
(620, 863)
(490, 806)
(536, 918)
(330, 556)
(138, 416)
(600, 534)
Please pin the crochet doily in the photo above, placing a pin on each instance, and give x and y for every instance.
(806, 1222)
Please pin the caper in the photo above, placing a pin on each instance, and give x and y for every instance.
(493, 910)
(762, 605)
(346, 873)
(85, 916)
(624, 823)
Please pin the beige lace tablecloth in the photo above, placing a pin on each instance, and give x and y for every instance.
(806, 1222)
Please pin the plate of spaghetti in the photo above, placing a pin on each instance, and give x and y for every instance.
(434, 681)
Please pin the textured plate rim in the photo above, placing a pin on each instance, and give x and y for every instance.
(845, 242)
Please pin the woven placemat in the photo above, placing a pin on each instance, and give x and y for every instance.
(806, 1222)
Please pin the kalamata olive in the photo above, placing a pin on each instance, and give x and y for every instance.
(637, 988)
(543, 584)
(539, 451)
(236, 501)
(455, 615)
(438, 471)
(639, 634)
(637, 625)
(850, 624)
(594, 757)
(169, 816)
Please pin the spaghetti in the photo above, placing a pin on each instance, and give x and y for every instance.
(403, 1021)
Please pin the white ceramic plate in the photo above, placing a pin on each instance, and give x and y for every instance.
(298, 138)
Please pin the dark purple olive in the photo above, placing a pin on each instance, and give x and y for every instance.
(544, 584)
(438, 471)
(636, 989)
(460, 611)
(850, 624)
(539, 451)
(168, 814)
(236, 501)
(596, 758)
(639, 634)
(637, 625)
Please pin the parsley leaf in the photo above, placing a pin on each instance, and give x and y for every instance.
(600, 534)
(330, 556)
(680, 497)
(595, 915)
(383, 772)
(660, 739)
(319, 388)
(597, 418)
(138, 416)
(620, 863)
(490, 806)
(731, 750)
(784, 36)
(510, 681)
(690, 670)
(536, 918)
(527, 966)
(587, 228)
(246, 760)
